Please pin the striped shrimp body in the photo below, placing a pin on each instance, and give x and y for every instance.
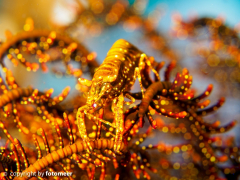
(110, 83)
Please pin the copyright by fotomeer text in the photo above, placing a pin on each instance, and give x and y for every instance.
(34, 174)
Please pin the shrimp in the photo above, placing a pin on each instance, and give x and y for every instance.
(110, 84)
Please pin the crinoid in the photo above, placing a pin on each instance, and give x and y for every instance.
(197, 148)
(46, 46)
(217, 53)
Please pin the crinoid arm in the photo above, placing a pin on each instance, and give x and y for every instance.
(132, 99)
(146, 64)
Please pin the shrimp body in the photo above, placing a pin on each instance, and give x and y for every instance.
(110, 83)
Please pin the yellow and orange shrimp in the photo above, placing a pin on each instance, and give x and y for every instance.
(110, 84)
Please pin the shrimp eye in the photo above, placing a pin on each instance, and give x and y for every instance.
(94, 105)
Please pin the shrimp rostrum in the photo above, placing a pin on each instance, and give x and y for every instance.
(110, 84)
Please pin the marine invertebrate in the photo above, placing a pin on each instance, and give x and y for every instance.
(217, 52)
(163, 96)
(95, 17)
(216, 28)
(77, 147)
(131, 155)
(111, 82)
(129, 148)
(48, 46)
